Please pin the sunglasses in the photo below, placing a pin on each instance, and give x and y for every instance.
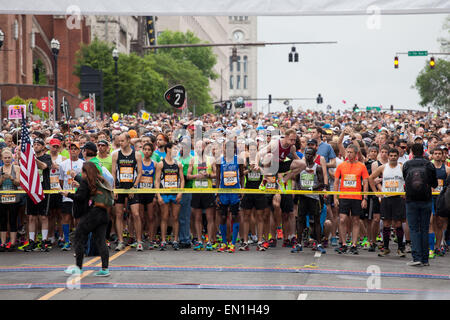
(403, 147)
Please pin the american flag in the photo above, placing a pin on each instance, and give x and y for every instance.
(29, 175)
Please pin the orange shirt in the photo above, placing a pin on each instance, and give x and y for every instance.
(351, 175)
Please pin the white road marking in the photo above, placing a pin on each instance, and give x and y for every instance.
(302, 296)
(318, 254)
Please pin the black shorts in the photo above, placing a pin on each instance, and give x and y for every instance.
(309, 206)
(121, 199)
(55, 201)
(269, 200)
(350, 207)
(440, 207)
(284, 166)
(40, 209)
(373, 207)
(257, 201)
(146, 198)
(393, 208)
(203, 200)
(67, 207)
(287, 203)
(234, 208)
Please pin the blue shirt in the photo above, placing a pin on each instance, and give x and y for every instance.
(300, 155)
(326, 151)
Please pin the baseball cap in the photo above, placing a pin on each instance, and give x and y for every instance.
(54, 142)
(103, 142)
(39, 140)
(76, 144)
(312, 141)
(417, 137)
(90, 146)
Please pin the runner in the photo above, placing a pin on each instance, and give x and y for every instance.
(348, 178)
(393, 211)
(127, 172)
(104, 155)
(169, 175)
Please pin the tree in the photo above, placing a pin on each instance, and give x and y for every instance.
(202, 57)
(434, 85)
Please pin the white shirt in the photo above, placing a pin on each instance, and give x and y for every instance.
(65, 167)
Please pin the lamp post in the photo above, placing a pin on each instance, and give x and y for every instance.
(115, 54)
(55, 45)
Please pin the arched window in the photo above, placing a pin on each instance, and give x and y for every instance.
(231, 64)
(238, 82)
(245, 82)
(231, 82)
(238, 69)
(245, 64)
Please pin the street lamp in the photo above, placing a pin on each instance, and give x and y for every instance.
(115, 54)
(55, 45)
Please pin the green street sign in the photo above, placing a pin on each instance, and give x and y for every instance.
(417, 53)
(373, 108)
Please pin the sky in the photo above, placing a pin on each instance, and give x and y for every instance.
(358, 69)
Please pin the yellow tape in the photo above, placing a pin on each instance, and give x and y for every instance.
(221, 191)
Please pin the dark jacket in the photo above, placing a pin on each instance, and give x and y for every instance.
(80, 199)
(430, 176)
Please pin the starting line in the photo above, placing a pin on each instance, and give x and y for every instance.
(272, 287)
(239, 269)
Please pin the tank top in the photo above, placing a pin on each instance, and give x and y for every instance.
(148, 176)
(54, 174)
(252, 178)
(9, 185)
(126, 170)
(308, 181)
(441, 175)
(202, 168)
(317, 160)
(393, 179)
(170, 175)
(283, 152)
(229, 174)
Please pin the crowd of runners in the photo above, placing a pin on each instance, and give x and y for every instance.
(310, 151)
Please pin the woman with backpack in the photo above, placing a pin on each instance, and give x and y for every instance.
(93, 196)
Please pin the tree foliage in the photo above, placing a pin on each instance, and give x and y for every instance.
(434, 85)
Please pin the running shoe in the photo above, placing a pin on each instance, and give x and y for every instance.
(266, 245)
(286, 243)
(209, 246)
(139, 246)
(37, 246)
(10, 247)
(61, 243)
(132, 244)
(384, 252)
(408, 248)
(121, 246)
(73, 270)
(272, 243)
(373, 247)
(103, 273)
(26, 247)
(431, 255)
(244, 247)
(215, 245)
(223, 248)
(379, 239)
(231, 248)
(176, 246)
(334, 241)
(414, 264)
(354, 250)
(279, 233)
(401, 253)
(2, 247)
(325, 243)
(255, 239)
(163, 246)
(198, 246)
(440, 252)
(66, 247)
(260, 247)
(321, 249)
(341, 249)
(297, 248)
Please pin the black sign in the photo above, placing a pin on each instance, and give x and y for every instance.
(30, 107)
(175, 96)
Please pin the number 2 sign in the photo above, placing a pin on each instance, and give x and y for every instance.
(175, 96)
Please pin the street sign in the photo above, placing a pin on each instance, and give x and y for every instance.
(44, 104)
(15, 111)
(373, 108)
(417, 53)
(175, 96)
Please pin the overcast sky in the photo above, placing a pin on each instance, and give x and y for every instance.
(358, 69)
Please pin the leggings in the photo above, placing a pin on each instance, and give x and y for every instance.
(95, 221)
(8, 210)
(311, 207)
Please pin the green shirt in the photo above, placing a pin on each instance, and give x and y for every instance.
(65, 154)
(185, 162)
(106, 162)
(155, 157)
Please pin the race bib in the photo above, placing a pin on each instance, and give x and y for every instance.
(201, 183)
(440, 185)
(126, 174)
(350, 181)
(170, 181)
(41, 176)
(54, 183)
(254, 176)
(307, 181)
(8, 198)
(271, 183)
(391, 185)
(146, 182)
(229, 178)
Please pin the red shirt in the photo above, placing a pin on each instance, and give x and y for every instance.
(351, 175)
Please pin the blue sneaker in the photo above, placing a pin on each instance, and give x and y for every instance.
(209, 247)
(66, 247)
(198, 246)
(297, 248)
(321, 249)
(102, 273)
(73, 270)
(334, 241)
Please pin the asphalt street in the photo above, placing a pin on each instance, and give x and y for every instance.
(276, 274)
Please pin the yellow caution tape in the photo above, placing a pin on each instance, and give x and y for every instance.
(224, 190)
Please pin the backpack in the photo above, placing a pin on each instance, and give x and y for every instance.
(416, 182)
(104, 197)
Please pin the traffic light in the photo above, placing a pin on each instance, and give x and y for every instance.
(319, 99)
(392, 108)
(396, 63)
(270, 98)
(151, 30)
(432, 63)
(293, 55)
(234, 57)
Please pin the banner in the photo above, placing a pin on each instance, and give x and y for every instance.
(86, 105)
(15, 111)
(43, 104)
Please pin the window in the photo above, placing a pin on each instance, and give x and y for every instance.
(241, 18)
(238, 82)
(231, 82)
(231, 64)
(238, 69)
(245, 64)
(245, 82)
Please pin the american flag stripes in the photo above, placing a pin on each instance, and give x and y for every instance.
(30, 180)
